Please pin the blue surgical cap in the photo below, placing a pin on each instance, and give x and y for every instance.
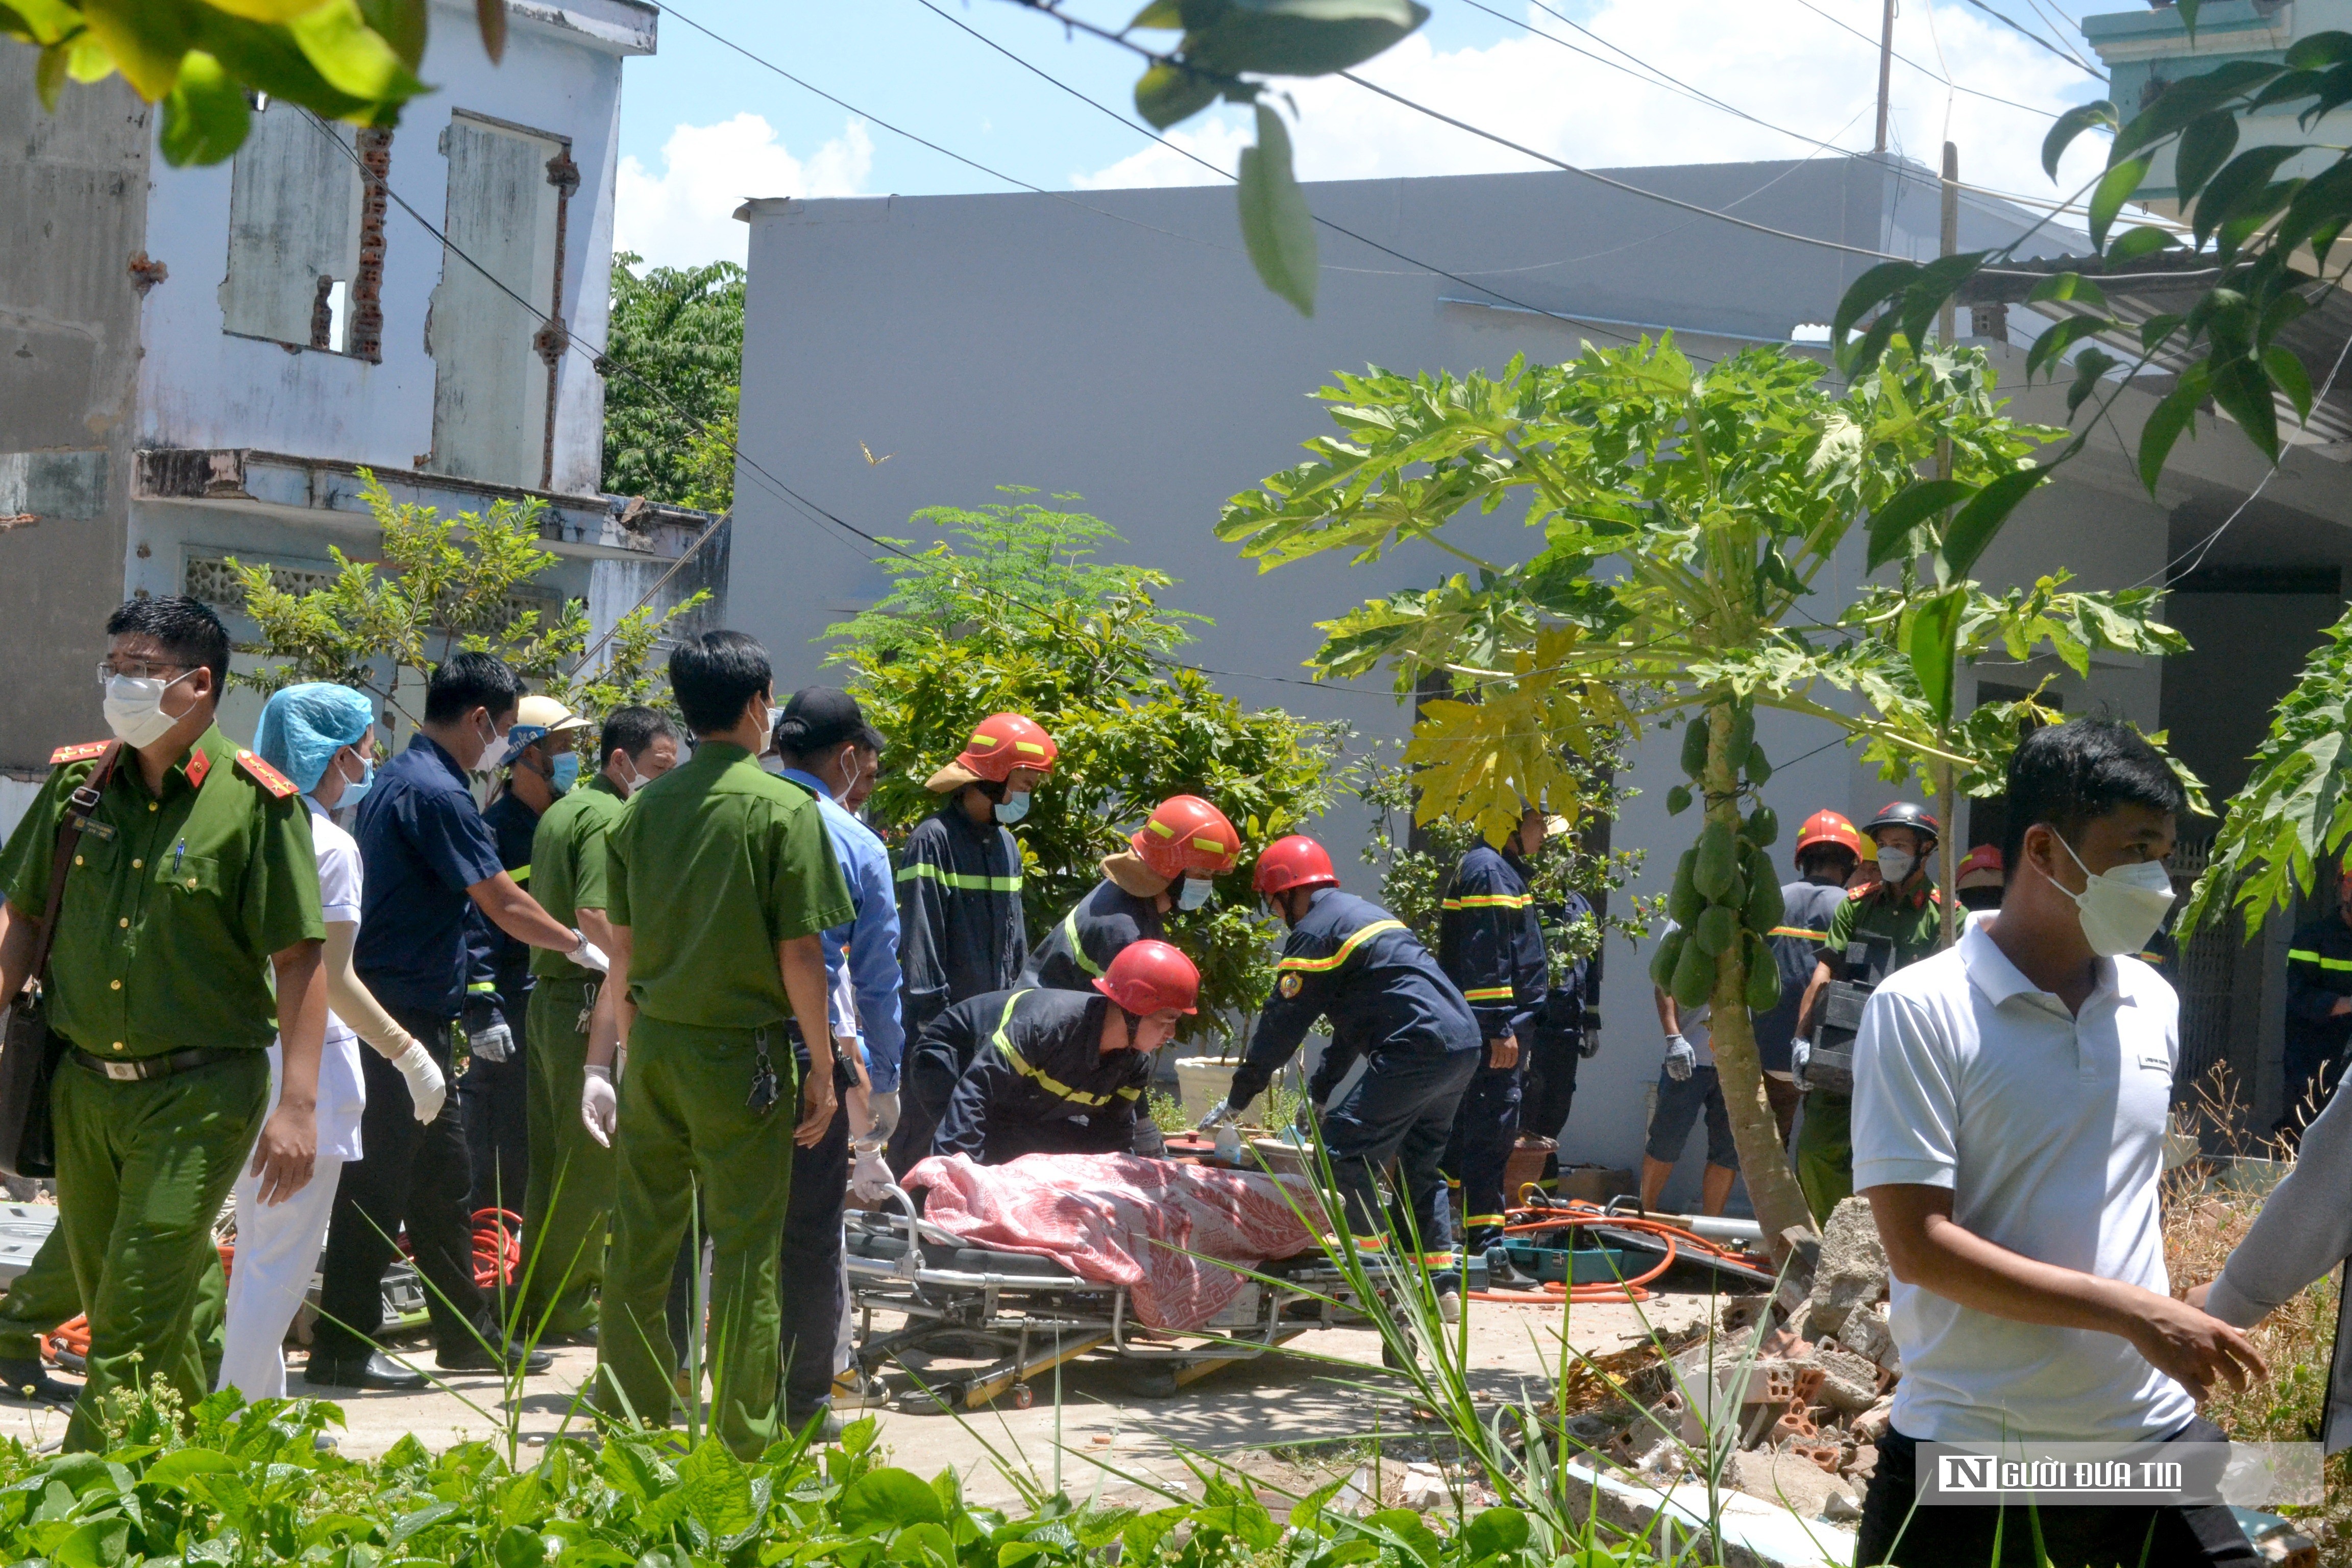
(304, 726)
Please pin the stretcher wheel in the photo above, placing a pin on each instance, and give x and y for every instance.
(1155, 1383)
(1024, 1396)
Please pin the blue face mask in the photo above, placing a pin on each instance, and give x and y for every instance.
(1013, 807)
(567, 773)
(355, 793)
(1194, 893)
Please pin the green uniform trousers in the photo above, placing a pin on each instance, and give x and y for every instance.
(1825, 1152)
(685, 1123)
(47, 1294)
(569, 1193)
(142, 1171)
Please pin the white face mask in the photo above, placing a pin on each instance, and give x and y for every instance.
(134, 709)
(2121, 909)
(1896, 864)
(1194, 893)
(628, 784)
(493, 745)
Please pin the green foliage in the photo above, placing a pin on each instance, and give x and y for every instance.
(345, 59)
(1020, 619)
(443, 584)
(2290, 823)
(2271, 238)
(670, 421)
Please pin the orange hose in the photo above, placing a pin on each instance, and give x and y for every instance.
(1553, 1293)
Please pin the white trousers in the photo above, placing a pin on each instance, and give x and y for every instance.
(276, 1253)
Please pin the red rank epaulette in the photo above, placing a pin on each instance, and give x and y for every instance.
(200, 763)
(265, 775)
(80, 753)
(1855, 895)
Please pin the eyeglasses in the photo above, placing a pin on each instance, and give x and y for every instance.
(136, 669)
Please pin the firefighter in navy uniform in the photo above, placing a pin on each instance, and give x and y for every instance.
(1828, 850)
(1171, 863)
(1567, 1030)
(961, 932)
(1351, 962)
(1491, 946)
(2318, 1009)
(1062, 1072)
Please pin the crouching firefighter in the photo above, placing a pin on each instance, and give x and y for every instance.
(1489, 944)
(1171, 863)
(1353, 962)
(961, 932)
(1061, 1072)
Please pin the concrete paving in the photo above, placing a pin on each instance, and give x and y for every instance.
(1333, 1393)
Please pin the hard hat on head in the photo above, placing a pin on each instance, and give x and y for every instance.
(1903, 813)
(1186, 835)
(537, 718)
(1296, 861)
(1984, 860)
(1829, 827)
(1149, 976)
(999, 743)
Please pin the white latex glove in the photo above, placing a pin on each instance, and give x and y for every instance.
(588, 955)
(882, 1105)
(426, 1087)
(1223, 1111)
(494, 1043)
(1681, 1058)
(869, 1175)
(600, 1106)
(1588, 1044)
(1799, 1053)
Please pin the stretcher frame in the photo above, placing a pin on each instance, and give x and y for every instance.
(1040, 1321)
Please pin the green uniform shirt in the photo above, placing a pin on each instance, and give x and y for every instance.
(1913, 921)
(567, 865)
(711, 865)
(174, 905)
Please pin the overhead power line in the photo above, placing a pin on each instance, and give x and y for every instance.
(2025, 32)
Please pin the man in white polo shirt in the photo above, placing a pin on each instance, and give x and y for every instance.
(2010, 1096)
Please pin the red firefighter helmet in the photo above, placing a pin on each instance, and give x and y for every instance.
(1828, 827)
(1149, 977)
(1000, 743)
(1296, 861)
(1185, 834)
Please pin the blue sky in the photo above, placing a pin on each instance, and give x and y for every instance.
(702, 127)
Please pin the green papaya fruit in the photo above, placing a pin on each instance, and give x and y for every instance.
(1755, 866)
(1763, 827)
(1765, 908)
(1719, 861)
(1678, 800)
(1694, 976)
(1695, 746)
(1763, 973)
(1663, 961)
(1743, 730)
(1718, 929)
(1760, 767)
(1683, 904)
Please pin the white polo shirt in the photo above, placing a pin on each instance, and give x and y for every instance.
(2049, 1129)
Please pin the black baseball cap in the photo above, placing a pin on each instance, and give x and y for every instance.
(821, 716)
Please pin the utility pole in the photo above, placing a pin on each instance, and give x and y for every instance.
(1885, 70)
(1948, 800)
(1951, 244)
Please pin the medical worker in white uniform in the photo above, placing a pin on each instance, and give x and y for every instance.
(316, 735)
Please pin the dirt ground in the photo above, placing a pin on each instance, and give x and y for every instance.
(1277, 1413)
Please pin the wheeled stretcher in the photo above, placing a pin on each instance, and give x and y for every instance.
(1021, 1316)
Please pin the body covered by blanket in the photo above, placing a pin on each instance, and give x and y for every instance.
(1150, 1224)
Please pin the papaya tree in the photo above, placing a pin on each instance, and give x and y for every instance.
(1682, 524)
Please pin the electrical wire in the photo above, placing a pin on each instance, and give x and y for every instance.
(1923, 70)
(2024, 32)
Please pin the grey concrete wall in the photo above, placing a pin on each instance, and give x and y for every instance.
(75, 185)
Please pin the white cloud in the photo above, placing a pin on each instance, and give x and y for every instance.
(683, 216)
(1780, 63)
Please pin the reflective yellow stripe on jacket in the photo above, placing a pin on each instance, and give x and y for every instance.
(1077, 949)
(1490, 901)
(2308, 956)
(1490, 993)
(1044, 1080)
(1799, 930)
(1356, 939)
(958, 879)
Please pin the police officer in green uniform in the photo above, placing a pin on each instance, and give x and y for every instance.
(719, 877)
(569, 1190)
(1906, 909)
(193, 881)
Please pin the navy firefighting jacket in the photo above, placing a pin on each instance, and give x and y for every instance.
(1490, 945)
(1035, 1080)
(1082, 944)
(961, 929)
(1353, 962)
